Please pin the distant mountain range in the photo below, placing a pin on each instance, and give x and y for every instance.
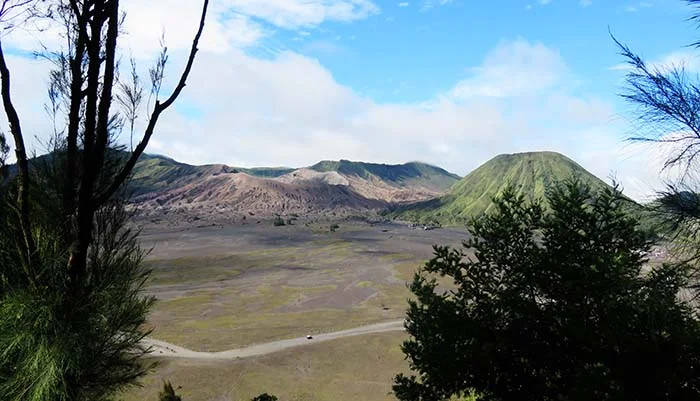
(162, 184)
(412, 191)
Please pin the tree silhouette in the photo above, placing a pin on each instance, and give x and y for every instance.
(168, 393)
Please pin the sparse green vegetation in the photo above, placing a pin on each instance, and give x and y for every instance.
(530, 174)
(314, 374)
(278, 221)
(217, 314)
(413, 173)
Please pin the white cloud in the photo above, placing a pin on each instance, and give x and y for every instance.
(404, 4)
(639, 166)
(429, 4)
(148, 21)
(292, 14)
(230, 23)
(633, 8)
(518, 68)
(585, 3)
(689, 60)
(290, 110)
(620, 67)
(29, 83)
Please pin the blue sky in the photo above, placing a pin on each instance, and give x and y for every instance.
(449, 82)
(408, 53)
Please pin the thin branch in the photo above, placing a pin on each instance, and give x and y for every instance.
(103, 117)
(667, 103)
(130, 97)
(76, 100)
(157, 110)
(15, 13)
(22, 161)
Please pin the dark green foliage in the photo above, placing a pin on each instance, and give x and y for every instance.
(264, 397)
(278, 221)
(153, 173)
(168, 393)
(529, 174)
(334, 227)
(50, 349)
(554, 305)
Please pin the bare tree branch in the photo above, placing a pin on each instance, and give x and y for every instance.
(103, 116)
(130, 97)
(157, 111)
(76, 101)
(668, 105)
(14, 13)
(22, 161)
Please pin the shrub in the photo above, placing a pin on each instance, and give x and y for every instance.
(168, 393)
(264, 397)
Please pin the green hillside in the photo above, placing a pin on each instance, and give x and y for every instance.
(154, 173)
(530, 173)
(402, 175)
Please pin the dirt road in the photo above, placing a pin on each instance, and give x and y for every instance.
(167, 350)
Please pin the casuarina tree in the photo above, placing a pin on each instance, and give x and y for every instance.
(666, 101)
(71, 308)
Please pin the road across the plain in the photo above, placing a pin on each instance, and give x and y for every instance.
(167, 350)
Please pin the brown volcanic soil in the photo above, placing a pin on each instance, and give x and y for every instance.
(371, 188)
(231, 193)
(218, 193)
(232, 285)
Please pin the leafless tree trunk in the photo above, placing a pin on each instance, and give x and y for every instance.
(22, 161)
(93, 27)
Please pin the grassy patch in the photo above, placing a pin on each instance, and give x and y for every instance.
(204, 269)
(309, 373)
(275, 293)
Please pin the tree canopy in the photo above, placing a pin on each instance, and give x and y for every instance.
(555, 304)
